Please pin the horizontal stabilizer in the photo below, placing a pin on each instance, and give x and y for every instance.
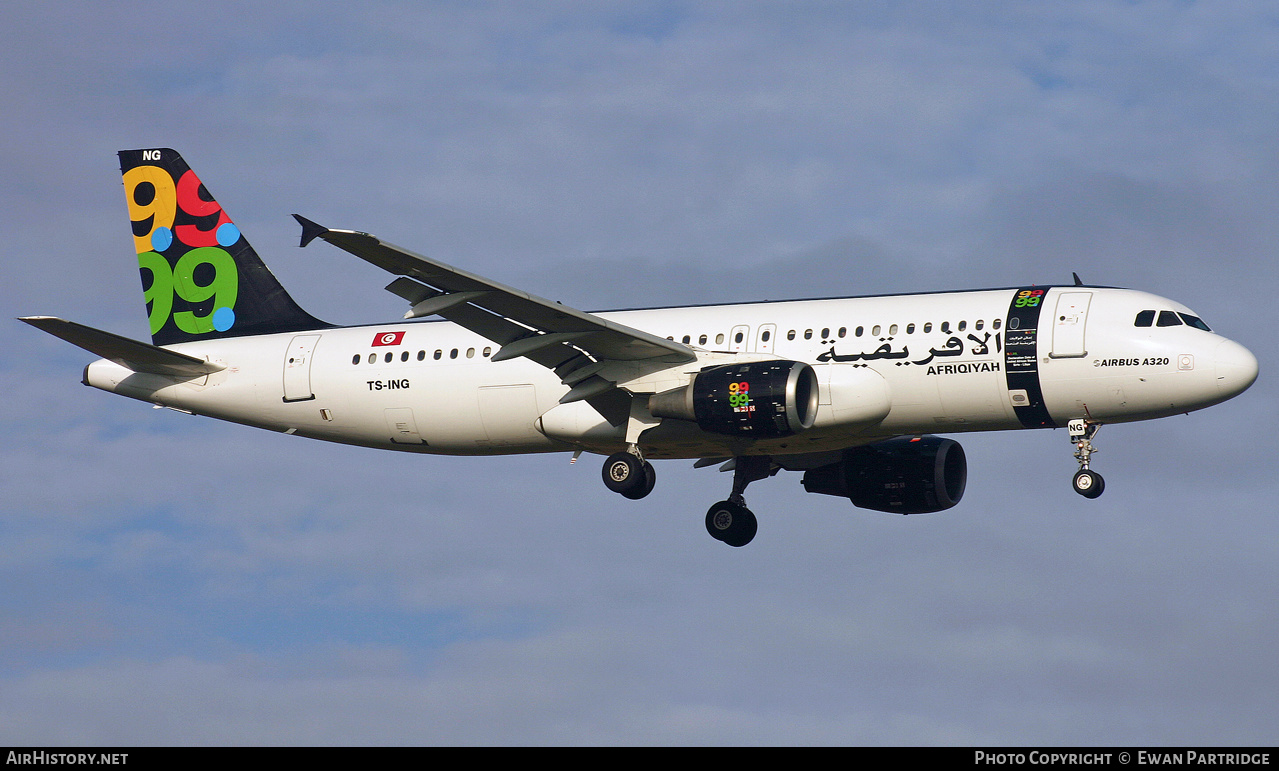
(137, 356)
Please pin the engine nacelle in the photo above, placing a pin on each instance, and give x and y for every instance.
(904, 476)
(758, 399)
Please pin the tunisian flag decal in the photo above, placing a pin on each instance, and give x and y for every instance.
(388, 338)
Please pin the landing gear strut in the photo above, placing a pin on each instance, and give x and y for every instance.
(730, 521)
(1087, 482)
(628, 474)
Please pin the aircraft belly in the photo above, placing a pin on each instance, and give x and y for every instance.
(915, 401)
(508, 413)
(1127, 389)
(954, 396)
(975, 397)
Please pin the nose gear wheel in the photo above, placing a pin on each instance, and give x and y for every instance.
(1086, 482)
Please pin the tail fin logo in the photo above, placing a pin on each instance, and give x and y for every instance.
(182, 236)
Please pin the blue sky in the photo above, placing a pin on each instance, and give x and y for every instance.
(169, 580)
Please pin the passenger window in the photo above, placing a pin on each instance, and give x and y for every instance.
(404, 356)
(1144, 319)
(701, 340)
(372, 358)
(945, 327)
(1194, 321)
(487, 351)
(843, 331)
(766, 336)
(963, 325)
(1168, 319)
(825, 332)
(892, 330)
(808, 334)
(996, 324)
(874, 331)
(356, 359)
(980, 324)
(438, 354)
(737, 338)
(421, 355)
(388, 357)
(790, 335)
(928, 327)
(470, 353)
(859, 331)
(719, 339)
(686, 339)
(453, 354)
(910, 329)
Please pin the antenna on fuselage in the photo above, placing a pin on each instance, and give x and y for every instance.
(1077, 281)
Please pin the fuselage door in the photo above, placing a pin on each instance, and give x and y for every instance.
(1068, 325)
(402, 426)
(739, 339)
(297, 368)
(764, 338)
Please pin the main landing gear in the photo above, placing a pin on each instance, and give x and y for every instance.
(730, 521)
(628, 474)
(1087, 482)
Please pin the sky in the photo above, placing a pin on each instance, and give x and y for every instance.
(166, 579)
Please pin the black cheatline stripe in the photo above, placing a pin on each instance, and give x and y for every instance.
(1021, 362)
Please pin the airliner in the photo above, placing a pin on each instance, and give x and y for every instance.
(848, 391)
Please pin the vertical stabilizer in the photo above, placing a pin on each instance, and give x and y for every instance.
(201, 278)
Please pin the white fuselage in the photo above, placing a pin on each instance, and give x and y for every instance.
(908, 364)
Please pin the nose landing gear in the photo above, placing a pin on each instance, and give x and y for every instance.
(1087, 482)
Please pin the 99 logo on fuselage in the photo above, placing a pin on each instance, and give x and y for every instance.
(181, 238)
(1029, 298)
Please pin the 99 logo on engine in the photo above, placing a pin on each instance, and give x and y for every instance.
(739, 397)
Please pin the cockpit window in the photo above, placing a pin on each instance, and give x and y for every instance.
(1168, 319)
(1194, 321)
(1144, 319)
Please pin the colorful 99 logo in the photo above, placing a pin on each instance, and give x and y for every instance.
(739, 397)
(1029, 298)
(174, 218)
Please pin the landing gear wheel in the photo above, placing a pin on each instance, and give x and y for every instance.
(731, 523)
(650, 479)
(624, 473)
(1088, 483)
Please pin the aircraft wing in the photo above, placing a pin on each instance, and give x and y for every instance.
(137, 356)
(550, 333)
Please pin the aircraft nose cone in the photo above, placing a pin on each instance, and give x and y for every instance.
(1236, 368)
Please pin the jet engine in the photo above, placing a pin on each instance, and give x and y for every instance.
(904, 476)
(759, 399)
